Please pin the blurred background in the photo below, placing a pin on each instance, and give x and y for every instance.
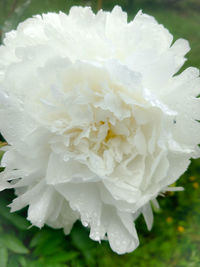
(175, 238)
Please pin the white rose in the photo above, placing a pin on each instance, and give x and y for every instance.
(97, 121)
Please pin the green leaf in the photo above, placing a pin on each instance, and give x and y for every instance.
(13, 263)
(50, 247)
(14, 244)
(63, 256)
(48, 242)
(3, 256)
(43, 263)
(40, 237)
(23, 262)
(15, 219)
(80, 238)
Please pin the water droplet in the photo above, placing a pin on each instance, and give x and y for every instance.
(84, 223)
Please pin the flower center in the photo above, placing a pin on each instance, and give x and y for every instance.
(110, 135)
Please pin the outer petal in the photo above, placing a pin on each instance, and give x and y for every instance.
(121, 232)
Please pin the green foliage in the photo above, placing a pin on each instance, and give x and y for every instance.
(12, 243)
(14, 218)
(3, 256)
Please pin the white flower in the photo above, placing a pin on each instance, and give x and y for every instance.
(97, 120)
